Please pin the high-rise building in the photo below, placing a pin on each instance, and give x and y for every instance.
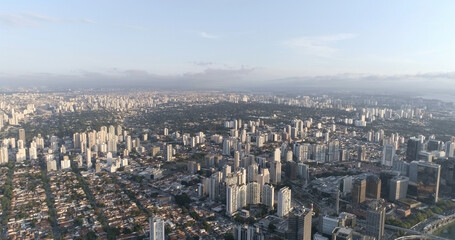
(375, 222)
(333, 151)
(359, 191)
(388, 154)
(434, 145)
(32, 153)
(51, 165)
(402, 167)
(214, 186)
(129, 144)
(398, 188)
(236, 160)
(231, 199)
(241, 197)
(111, 145)
(347, 219)
(226, 147)
(193, 167)
(346, 185)
(342, 233)
(414, 146)
(260, 141)
(88, 158)
(361, 154)
(22, 134)
(21, 155)
(284, 202)
(3, 155)
(156, 228)
(289, 156)
(328, 224)
(424, 180)
(373, 188)
(450, 149)
(252, 172)
(268, 195)
(253, 194)
(65, 163)
(291, 170)
(275, 172)
(299, 224)
(247, 233)
(169, 152)
(386, 176)
(277, 155)
(447, 186)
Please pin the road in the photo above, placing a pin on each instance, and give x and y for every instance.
(414, 232)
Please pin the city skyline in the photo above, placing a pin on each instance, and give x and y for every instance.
(227, 119)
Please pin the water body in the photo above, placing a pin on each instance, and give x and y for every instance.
(447, 231)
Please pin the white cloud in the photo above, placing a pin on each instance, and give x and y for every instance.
(31, 19)
(208, 35)
(133, 27)
(87, 20)
(318, 45)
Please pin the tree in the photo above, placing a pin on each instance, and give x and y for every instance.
(78, 221)
(438, 210)
(229, 236)
(91, 235)
(112, 233)
(183, 200)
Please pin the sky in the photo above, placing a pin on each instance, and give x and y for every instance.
(228, 43)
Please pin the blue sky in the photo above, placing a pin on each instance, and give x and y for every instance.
(257, 40)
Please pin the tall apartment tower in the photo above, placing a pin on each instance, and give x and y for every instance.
(414, 146)
(226, 147)
(299, 224)
(231, 199)
(236, 160)
(359, 191)
(253, 194)
(398, 188)
(284, 202)
(361, 154)
(373, 188)
(22, 134)
(388, 154)
(268, 195)
(156, 228)
(375, 222)
(275, 172)
(277, 155)
(424, 178)
(88, 158)
(169, 153)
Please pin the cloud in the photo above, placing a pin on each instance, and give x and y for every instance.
(208, 35)
(86, 20)
(235, 78)
(133, 27)
(202, 63)
(210, 78)
(421, 83)
(31, 19)
(318, 45)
